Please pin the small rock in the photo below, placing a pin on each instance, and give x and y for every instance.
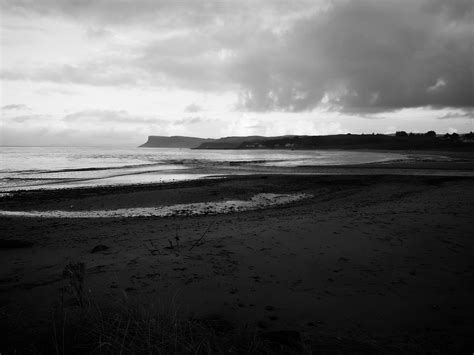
(289, 338)
(14, 244)
(99, 248)
(217, 323)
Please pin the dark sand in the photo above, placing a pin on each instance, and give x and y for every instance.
(381, 260)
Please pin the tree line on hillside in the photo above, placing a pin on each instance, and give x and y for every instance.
(432, 134)
(399, 141)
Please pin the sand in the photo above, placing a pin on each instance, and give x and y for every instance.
(381, 260)
(258, 201)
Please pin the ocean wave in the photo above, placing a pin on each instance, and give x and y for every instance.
(93, 168)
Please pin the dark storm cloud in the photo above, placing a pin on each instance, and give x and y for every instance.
(189, 61)
(454, 9)
(362, 55)
(357, 56)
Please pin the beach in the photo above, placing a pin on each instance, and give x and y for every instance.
(365, 262)
(228, 177)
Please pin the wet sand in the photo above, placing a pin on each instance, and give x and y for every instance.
(381, 260)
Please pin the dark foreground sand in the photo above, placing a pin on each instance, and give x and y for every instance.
(382, 261)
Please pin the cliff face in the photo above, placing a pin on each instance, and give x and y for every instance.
(201, 143)
(173, 142)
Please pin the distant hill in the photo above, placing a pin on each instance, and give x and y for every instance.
(235, 142)
(399, 141)
(173, 142)
(364, 141)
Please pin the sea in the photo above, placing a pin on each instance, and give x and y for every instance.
(33, 168)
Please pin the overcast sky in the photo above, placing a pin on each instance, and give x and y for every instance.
(109, 72)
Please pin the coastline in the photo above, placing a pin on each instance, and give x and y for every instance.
(447, 163)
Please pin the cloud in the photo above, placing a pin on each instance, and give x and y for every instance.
(15, 107)
(439, 85)
(363, 55)
(98, 33)
(193, 108)
(457, 115)
(110, 116)
(359, 56)
(96, 73)
(26, 118)
(453, 10)
(159, 13)
(191, 121)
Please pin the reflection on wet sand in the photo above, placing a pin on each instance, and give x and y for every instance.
(259, 201)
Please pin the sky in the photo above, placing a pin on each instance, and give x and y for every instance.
(112, 72)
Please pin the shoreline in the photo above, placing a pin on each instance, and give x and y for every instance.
(32, 198)
(398, 167)
(413, 162)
